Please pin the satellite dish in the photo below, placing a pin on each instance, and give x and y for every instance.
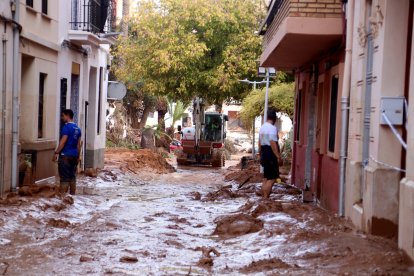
(116, 90)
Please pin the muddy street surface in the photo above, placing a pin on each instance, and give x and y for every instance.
(188, 222)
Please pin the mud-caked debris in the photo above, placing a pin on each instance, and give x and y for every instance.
(195, 195)
(237, 225)
(174, 243)
(267, 206)
(128, 259)
(222, 193)
(265, 265)
(91, 172)
(46, 191)
(206, 259)
(68, 200)
(136, 161)
(58, 223)
(86, 258)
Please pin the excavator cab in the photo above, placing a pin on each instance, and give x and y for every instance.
(214, 127)
(204, 143)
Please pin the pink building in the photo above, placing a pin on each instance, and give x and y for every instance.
(307, 38)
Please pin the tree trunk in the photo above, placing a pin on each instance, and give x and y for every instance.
(162, 109)
(144, 117)
(161, 120)
(133, 116)
(125, 17)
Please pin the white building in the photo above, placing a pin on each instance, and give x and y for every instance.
(83, 71)
(6, 65)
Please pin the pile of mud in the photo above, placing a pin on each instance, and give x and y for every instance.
(137, 161)
(248, 171)
(237, 225)
(30, 191)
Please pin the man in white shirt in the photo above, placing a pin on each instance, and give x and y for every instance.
(270, 157)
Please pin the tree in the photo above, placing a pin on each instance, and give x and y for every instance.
(176, 111)
(186, 48)
(281, 98)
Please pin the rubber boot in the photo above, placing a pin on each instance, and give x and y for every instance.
(72, 187)
(64, 187)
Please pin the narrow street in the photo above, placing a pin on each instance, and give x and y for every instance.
(188, 222)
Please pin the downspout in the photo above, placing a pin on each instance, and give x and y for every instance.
(15, 6)
(367, 103)
(346, 91)
(3, 111)
(311, 128)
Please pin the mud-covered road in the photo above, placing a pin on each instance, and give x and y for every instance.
(183, 223)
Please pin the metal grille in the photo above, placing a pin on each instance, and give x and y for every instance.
(91, 15)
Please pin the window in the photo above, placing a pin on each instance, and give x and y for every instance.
(99, 100)
(298, 116)
(44, 6)
(320, 118)
(332, 113)
(63, 96)
(42, 79)
(29, 3)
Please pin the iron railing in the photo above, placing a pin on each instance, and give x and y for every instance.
(91, 16)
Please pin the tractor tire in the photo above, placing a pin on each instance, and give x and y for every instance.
(218, 159)
(181, 158)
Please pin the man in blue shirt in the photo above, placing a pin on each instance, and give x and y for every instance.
(67, 153)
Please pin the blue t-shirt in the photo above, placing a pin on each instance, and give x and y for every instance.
(74, 134)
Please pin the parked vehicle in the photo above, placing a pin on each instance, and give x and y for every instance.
(204, 143)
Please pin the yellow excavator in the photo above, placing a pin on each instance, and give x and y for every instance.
(204, 143)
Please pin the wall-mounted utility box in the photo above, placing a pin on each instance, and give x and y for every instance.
(393, 107)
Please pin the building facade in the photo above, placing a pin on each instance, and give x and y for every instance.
(62, 62)
(354, 145)
(39, 51)
(306, 38)
(6, 65)
(83, 67)
(379, 182)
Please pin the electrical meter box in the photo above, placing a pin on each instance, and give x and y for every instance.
(393, 108)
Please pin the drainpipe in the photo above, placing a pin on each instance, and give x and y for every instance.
(15, 5)
(3, 111)
(311, 128)
(346, 90)
(367, 103)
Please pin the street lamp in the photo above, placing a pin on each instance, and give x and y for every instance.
(267, 72)
(255, 83)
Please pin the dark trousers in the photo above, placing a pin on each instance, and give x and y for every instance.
(269, 163)
(67, 168)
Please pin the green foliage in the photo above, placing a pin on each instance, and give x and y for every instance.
(176, 111)
(281, 98)
(158, 132)
(186, 48)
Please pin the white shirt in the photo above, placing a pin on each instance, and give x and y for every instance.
(268, 132)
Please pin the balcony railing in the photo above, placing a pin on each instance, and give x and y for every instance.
(91, 16)
(280, 9)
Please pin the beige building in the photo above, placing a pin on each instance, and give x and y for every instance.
(61, 61)
(380, 171)
(6, 79)
(38, 98)
(85, 36)
(354, 143)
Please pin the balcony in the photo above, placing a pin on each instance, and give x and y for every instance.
(91, 21)
(297, 31)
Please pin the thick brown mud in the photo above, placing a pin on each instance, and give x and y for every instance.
(189, 222)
